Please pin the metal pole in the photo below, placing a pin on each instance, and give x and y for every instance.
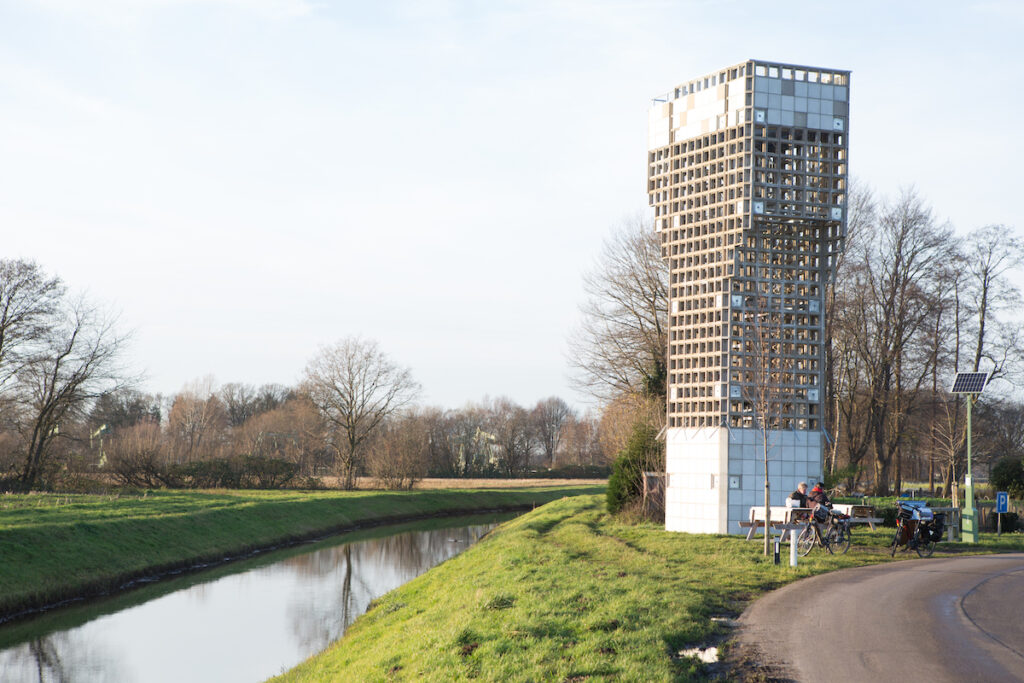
(767, 499)
(792, 547)
(970, 521)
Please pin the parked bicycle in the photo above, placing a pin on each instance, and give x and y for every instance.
(917, 527)
(838, 532)
(828, 529)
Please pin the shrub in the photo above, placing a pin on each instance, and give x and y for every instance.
(641, 453)
(248, 471)
(1011, 521)
(142, 469)
(258, 472)
(203, 474)
(1008, 475)
(308, 483)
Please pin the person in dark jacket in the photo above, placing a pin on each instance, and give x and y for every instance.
(800, 495)
(817, 496)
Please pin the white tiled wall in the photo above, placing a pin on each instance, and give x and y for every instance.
(694, 497)
(701, 462)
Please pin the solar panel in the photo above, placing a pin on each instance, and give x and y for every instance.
(969, 383)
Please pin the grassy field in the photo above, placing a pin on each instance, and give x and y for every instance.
(57, 547)
(567, 593)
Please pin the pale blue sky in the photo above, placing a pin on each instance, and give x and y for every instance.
(248, 179)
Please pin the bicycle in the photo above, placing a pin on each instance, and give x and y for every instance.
(835, 538)
(917, 528)
(811, 534)
(838, 532)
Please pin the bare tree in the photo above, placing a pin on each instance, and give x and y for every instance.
(124, 408)
(239, 402)
(888, 300)
(550, 416)
(580, 441)
(767, 368)
(398, 453)
(974, 329)
(356, 387)
(622, 343)
(197, 421)
(244, 401)
(76, 362)
(992, 254)
(29, 302)
(842, 426)
(293, 432)
(514, 434)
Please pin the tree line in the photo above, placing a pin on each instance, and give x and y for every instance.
(71, 414)
(321, 436)
(909, 305)
(912, 304)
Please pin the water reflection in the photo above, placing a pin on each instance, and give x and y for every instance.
(245, 626)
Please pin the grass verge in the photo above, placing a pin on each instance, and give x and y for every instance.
(567, 593)
(60, 547)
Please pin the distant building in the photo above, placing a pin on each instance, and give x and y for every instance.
(747, 177)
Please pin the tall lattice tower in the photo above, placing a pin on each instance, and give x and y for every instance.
(747, 177)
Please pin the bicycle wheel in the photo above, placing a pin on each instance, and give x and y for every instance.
(838, 539)
(924, 548)
(805, 541)
(896, 540)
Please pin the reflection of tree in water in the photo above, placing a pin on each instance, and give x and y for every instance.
(58, 658)
(47, 660)
(37, 660)
(338, 583)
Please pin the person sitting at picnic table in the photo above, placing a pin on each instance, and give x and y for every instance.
(800, 495)
(818, 497)
(798, 499)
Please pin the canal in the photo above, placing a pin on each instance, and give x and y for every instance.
(244, 621)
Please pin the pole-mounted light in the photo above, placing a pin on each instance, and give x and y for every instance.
(969, 384)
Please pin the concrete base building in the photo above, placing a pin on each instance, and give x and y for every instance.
(747, 173)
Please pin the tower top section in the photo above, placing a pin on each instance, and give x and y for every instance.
(755, 91)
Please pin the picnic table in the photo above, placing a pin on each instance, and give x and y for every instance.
(784, 516)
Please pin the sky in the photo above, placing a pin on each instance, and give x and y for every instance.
(246, 181)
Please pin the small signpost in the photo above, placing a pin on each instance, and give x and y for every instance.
(1002, 506)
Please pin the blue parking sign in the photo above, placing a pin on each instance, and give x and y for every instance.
(1002, 501)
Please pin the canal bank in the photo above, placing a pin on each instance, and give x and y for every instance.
(568, 592)
(240, 622)
(59, 548)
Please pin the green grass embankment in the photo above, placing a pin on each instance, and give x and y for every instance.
(59, 547)
(567, 593)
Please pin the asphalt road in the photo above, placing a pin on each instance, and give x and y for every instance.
(938, 619)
